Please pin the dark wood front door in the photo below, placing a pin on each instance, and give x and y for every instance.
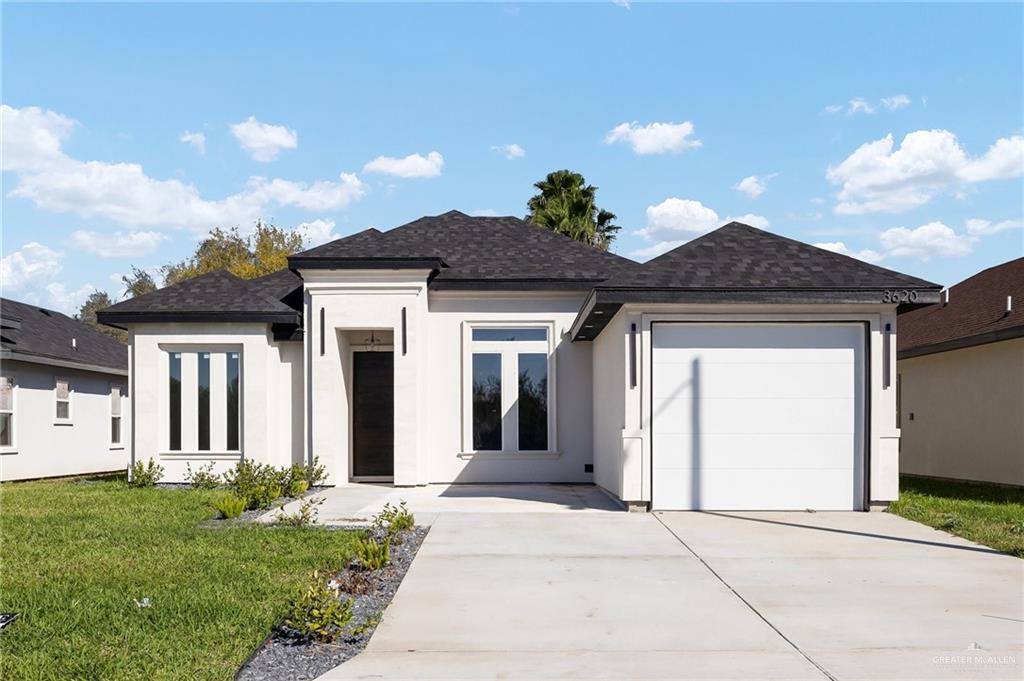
(373, 414)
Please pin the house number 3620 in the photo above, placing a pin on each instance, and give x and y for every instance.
(899, 296)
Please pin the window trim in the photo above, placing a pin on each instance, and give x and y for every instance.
(506, 349)
(110, 407)
(13, 447)
(58, 421)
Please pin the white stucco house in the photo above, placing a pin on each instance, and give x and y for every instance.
(63, 396)
(742, 370)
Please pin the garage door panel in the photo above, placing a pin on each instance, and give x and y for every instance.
(755, 415)
(769, 490)
(775, 381)
(754, 452)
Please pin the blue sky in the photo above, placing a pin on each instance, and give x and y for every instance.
(893, 132)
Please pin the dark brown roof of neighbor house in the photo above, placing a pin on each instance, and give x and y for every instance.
(36, 334)
(975, 314)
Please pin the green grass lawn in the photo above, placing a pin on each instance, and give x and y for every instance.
(986, 514)
(75, 555)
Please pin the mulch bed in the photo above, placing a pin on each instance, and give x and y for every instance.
(283, 658)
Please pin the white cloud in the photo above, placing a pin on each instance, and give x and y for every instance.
(29, 267)
(623, 3)
(657, 249)
(413, 165)
(925, 242)
(675, 221)
(68, 302)
(896, 102)
(123, 193)
(117, 244)
(753, 185)
(264, 141)
(316, 232)
(833, 108)
(511, 151)
(196, 139)
(878, 177)
(858, 105)
(867, 255)
(979, 227)
(655, 138)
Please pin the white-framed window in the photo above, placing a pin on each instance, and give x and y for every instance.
(116, 434)
(204, 400)
(62, 399)
(6, 412)
(509, 389)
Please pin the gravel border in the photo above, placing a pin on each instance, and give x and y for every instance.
(280, 658)
(250, 516)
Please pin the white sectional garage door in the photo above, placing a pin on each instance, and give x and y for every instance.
(757, 416)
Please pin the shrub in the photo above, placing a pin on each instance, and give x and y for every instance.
(393, 520)
(318, 614)
(230, 506)
(259, 483)
(296, 488)
(145, 475)
(204, 478)
(315, 473)
(304, 517)
(372, 554)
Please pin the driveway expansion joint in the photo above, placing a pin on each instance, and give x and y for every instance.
(747, 603)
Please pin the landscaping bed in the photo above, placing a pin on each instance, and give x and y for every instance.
(992, 515)
(286, 657)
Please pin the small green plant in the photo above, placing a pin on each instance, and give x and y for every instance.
(365, 628)
(393, 520)
(318, 614)
(203, 478)
(304, 517)
(949, 521)
(296, 488)
(1017, 527)
(372, 554)
(145, 475)
(230, 506)
(259, 483)
(316, 474)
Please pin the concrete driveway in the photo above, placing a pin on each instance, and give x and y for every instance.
(555, 592)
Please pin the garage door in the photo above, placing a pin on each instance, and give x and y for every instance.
(757, 416)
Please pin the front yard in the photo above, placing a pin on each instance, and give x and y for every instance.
(986, 514)
(78, 558)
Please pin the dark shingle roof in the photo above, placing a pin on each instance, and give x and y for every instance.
(740, 256)
(46, 335)
(473, 251)
(214, 297)
(975, 314)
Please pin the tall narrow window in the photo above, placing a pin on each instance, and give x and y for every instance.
(115, 414)
(533, 401)
(486, 401)
(6, 411)
(174, 420)
(203, 401)
(232, 397)
(62, 391)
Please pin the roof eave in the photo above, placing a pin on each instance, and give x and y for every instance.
(960, 343)
(118, 319)
(300, 262)
(12, 355)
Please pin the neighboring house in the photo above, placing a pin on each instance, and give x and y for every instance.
(740, 370)
(961, 381)
(64, 407)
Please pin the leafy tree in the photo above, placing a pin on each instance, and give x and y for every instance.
(264, 252)
(138, 283)
(567, 204)
(98, 300)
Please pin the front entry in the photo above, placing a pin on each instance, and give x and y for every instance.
(373, 414)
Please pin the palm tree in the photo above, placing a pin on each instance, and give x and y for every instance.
(566, 204)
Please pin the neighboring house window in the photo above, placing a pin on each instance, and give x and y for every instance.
(115, 414)
(62, 391)
(174, 389)
(510, 390)
(6, 411)
(214, 379)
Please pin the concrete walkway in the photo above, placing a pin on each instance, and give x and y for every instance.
(568, 592)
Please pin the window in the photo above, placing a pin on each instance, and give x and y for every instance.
(509, 388)
(115, 414)
(6, 411)
(205, 401)
(174, 388)
(62, 391)
(233, 401)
